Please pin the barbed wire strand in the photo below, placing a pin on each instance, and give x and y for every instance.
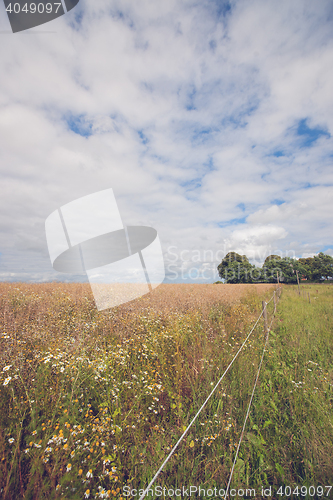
(270, 299)
(249, 407)
(193, 420)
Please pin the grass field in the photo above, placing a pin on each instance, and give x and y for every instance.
(92, 402)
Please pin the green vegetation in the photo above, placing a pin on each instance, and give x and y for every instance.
(93, 401)
(236, 268)
(292, 409)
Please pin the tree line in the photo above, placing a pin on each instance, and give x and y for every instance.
(236, 268)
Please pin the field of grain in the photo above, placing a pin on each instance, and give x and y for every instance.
(92, 401)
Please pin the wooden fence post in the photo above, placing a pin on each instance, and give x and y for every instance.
(299, 292)
(274, 303)
(309, 298)
(265, 317)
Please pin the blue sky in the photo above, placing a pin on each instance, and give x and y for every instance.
(212, 121)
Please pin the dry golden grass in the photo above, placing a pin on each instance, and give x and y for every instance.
(183, 297)
(124, 380)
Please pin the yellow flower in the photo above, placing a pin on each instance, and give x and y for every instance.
(65, 446)
(191, 444)
(80, 472)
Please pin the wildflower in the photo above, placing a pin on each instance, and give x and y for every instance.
(11, 440)
(102, 493)
(7, 380)
(7, 367)
(89, 473)
(69, 467)
(48, 449)
(87, 494)
(34, 433)
(80, 472)
(58, 487)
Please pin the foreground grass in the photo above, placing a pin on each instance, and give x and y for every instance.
(292, 413)
(93, 401)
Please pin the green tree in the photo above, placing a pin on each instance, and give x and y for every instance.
(322, 266)
(271, 257)
(236, 268)
(318, 266)
(307, 264)
(270, 270)
(286, 267)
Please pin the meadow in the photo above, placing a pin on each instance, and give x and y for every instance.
(93, 401)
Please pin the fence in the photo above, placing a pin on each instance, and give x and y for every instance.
(275, 297)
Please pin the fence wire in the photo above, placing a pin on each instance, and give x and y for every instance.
(204, 404)
(249, 407)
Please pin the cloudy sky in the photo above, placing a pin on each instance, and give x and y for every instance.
(212, 122)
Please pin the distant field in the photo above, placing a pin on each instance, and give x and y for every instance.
(165, 296)
(93, 401)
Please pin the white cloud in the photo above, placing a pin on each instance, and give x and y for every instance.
(183, 110)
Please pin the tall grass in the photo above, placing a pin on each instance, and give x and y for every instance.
(93, 401)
